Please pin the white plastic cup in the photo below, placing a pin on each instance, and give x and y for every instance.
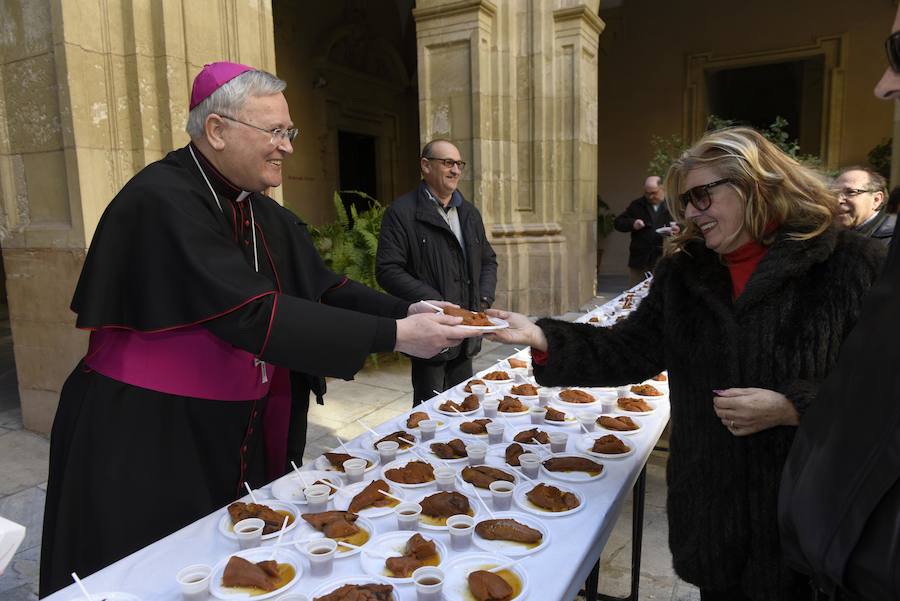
(320, 553)
(495, 432)
(427, 428)
(316, 497)
(249, 532)
(623, 391)
(429, 581)
(530, 463)
(544, 397)
(387, 450)
(479, 390)
(354, 469)
(608, 399)
(558, 441)
(445, 477)
(490, 407)
(194, 582)
(538, 414)
(587, 420)
(501, 494)
(460, 528)
(476, 452)
(408, 516)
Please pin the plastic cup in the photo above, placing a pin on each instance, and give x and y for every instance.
(408, 516)
(320, 553)
(387, 450)
(544, 397)
(316, 497)
(479, 390)
(495, 432)
(194, 582)
(427, 427)
(537, 415)
(445, 477)
(354, 469)
(530, 464)
(501, 494)
(460, 528)
(476, 452)
(587, 420)
(558, 442)
(429, 581)
(249, 532)
(608, 399)
(490, 407)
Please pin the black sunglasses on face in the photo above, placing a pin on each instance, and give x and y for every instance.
(699, 195)
(892, 48)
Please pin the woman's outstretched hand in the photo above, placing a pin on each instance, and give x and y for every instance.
(520, 331)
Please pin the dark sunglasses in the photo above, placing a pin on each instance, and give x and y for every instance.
(892, 48)
(699, 195)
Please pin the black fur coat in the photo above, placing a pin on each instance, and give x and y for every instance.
(783, 333)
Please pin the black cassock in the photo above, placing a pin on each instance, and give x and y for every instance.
(130, 465)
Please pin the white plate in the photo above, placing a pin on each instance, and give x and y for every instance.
(324, 465)
(436, 403)
(400, 463)
(498, 324)
(460, 388)
(258, 554)
(290, 487)
(495, 461)
(584, 443)
(442, 424)
(367, 441)
(226, 528)
(346, 494)
(568, 405)
(523, 502)
(510, 433)
(337, 583)
(393, 543)
(495, 382)
(474, 506)
(111, 596)
(432, 456)
(456, 571)
(508, 547)
(575, 477)
(663, 389)
(621, 411)
(505, 366)
(618, 432)
(509, 414)
(306, 531)
(460, 434)
(496, 455)
(570, 420)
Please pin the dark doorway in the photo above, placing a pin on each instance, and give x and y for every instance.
(757, 95)
(356, 158)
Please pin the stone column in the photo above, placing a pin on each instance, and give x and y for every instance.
(90, 92)
(514, 84)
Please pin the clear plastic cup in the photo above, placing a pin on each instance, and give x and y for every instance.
(429, 581)
(544, 397)
(490, 407)
(320, 553)
(460, 528)
(354, 469)
(501, 494)
(194, 582)
(558, 442)
(476, 452)
(537, 415)
(587, 420)
(445, 477)
(427, 428)
(479, 390)
(387, 450)
(608, 399)
(316, 497)
(408, 516)
(249, 532)
(495, 432)
(530, 463)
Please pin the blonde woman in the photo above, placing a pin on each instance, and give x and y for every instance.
(747, 311)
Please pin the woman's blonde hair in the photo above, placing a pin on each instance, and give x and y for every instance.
(775, 188)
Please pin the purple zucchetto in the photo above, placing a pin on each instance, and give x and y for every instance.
(212, 77)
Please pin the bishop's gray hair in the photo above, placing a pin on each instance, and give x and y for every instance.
(230, 98)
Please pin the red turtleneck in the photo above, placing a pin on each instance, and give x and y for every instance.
(742, 263)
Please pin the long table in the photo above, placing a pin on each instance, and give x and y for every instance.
(556, 572)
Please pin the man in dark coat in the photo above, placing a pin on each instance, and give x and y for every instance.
(643, 217)
(433, 245)
(211, 318)
(862, 194)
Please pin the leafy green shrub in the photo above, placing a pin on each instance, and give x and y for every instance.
(880, 158)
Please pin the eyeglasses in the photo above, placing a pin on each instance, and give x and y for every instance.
(849, 192)
(448, 163)
(278, 134)
(699, 195)
(892, 48)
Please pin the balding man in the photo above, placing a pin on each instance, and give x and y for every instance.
(643, 218)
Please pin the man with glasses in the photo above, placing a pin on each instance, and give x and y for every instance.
(433, 245)
(861, 193)
(211, 321)
(647, 219)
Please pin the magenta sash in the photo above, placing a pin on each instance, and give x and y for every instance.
(193, 362)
